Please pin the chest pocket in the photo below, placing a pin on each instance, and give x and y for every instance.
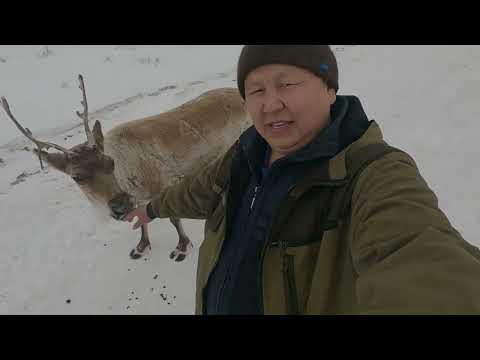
(306, 221)
(299, 235)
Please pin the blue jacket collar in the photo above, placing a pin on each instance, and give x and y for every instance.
(348, 124)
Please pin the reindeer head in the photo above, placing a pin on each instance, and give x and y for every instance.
(86, 163)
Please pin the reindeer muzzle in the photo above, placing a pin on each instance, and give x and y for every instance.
(121, 205)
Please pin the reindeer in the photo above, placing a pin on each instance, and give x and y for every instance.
(137, 159)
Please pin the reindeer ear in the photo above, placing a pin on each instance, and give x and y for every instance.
(97, 134)
(57, 160)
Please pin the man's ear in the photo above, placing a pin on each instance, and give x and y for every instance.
(332, 96)
(98, 134)
(57, 160)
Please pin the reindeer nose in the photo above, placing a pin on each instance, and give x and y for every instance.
(118, 215)
(121, 205)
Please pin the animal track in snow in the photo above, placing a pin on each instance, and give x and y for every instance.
(163, 89)
(23, 176)
(198, 82)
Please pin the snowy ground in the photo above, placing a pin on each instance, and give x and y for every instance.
(56, 259)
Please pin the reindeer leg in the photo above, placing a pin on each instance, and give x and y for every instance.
(184, 245)
(141, 248)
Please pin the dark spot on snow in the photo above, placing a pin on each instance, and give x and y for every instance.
(174, 297)
(68, 301)
(164, 287)
(168, 303)
(136, 298)
(128, 269)
(131, 293)
(23, 176)
(151, 289)
(128, 307)
(130, 299)
(104, 244)
(155, 277)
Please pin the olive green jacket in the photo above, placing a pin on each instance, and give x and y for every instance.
(396, 252)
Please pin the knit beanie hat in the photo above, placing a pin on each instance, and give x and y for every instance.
(319, 59)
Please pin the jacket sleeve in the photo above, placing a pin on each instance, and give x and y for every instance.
(408, 257)
(196, 195)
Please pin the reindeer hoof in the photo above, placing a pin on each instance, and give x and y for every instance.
(135, 255)
(179, 255)
(137, 252)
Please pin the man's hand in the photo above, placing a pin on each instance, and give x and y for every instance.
(141, 214)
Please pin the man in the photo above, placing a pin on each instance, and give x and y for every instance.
(311, 212)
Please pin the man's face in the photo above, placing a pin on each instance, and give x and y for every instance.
(289, 106)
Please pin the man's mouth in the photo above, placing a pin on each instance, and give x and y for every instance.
(280, 124)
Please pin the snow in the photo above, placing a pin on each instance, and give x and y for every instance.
(57, 258)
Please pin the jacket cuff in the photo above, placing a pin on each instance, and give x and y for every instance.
(151, 214)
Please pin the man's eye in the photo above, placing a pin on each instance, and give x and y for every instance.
(256, 91)
(291, 84)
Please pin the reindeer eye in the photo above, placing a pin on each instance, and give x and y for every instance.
(81, 179)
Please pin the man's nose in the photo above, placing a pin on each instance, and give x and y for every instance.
(272, 102)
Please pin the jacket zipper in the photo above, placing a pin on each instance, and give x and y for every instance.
(262, 258)
(254, 197)
(224, 283)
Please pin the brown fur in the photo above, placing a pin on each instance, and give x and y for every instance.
(164, 148)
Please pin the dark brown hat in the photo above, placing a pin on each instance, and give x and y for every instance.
(319, 59)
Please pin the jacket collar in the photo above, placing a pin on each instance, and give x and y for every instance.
(334, 172)
(325, 145)
(348, 124)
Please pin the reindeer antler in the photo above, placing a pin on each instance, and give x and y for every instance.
(28, 134)
(84, 115)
